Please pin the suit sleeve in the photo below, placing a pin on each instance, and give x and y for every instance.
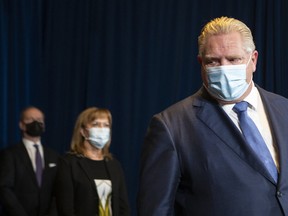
(64, 189)
(124, 209)
(159, 171)
(8, 199)
(51, 158)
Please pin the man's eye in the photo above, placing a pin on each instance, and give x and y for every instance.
(236, 60)
(210, 62)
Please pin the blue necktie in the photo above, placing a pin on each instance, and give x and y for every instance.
(39, 167)
(254, 138)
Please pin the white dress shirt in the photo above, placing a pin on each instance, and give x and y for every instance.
(257, 113)
(29, 145)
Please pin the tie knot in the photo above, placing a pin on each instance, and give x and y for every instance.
(36, 146)
(240, 107)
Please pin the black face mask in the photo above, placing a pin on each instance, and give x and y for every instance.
(35, 128)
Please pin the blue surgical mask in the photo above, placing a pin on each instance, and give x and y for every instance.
(98, 137)
(227, 82)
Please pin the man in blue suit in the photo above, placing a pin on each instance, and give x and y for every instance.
(195, 158)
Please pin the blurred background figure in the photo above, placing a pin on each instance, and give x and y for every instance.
(28, 170)
(89, 180)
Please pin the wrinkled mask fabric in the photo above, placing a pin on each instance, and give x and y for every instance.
(227, 82)
(34, 129)
(98, 137)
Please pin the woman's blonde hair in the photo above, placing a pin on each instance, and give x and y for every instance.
(87, 116)
(225, 25)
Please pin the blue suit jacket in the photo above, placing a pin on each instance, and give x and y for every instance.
(195, 162)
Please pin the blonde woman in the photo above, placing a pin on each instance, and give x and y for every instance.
(90, 181)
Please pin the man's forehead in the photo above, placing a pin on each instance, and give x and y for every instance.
(224, 43)
(33, 113)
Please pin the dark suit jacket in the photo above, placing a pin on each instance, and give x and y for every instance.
(195, 162)
(20, 194)
(76, 192)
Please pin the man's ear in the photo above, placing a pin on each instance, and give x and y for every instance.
(254, 59)
(22, 126)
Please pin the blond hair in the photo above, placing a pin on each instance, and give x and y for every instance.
(225, 25)
(87, 116)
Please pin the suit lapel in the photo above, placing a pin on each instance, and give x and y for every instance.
(111, 173)
(278, 120)
(109, 168)
(86, 168)
(46, 170)
(217, 120)
(24, 157)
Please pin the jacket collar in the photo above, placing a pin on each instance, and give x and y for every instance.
(213, 116)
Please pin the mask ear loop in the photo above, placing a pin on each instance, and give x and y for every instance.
(82, 133)
(246, 69)
(249, 60)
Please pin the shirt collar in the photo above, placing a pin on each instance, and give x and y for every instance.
(29, 143)
(252, 99)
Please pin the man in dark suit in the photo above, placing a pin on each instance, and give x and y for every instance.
(27, 171)
(196, 157)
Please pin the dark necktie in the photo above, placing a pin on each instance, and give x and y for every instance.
(254, 138)
(39, 167)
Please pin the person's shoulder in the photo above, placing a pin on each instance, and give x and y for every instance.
(113, 161)
(13, 147)
(70, 157)
(50, 151)
(67, 159)
(271, 96)
(178, 106)
(187, 102)
(12, 152)
(182, 107)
